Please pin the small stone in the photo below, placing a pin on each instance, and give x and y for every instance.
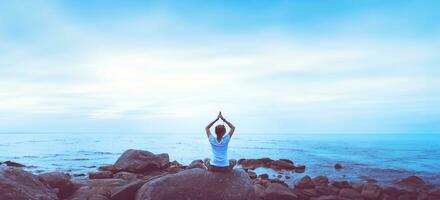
(338, 166)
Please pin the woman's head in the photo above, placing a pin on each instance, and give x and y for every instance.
(220, 130)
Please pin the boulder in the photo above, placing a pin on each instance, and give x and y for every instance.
(138, 161)
(325, 197)
(321, 180)
(411, 182)
(305, 183)
(259, 191)
(349, 194)
(59, 181)
(197, 164)
(338, 166)
(125, 175)
(164, 159)
(21, 185)
(251, 163)
(111, 168)
(371, 191)
(341, 184)
(276, 191)
(282, 164)
(300, 169)
(95, 189)
(198, 184)
(13, 164)
(100, 175)
(263, 176)
(127, 191)
(252, 175)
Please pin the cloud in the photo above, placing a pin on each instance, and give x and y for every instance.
(150, 68)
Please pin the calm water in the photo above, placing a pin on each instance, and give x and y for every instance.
(382, 157)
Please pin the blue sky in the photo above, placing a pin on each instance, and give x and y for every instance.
(271, 66)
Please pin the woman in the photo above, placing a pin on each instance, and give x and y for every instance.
(219, 146)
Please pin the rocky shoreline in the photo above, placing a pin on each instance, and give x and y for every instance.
(142, 175)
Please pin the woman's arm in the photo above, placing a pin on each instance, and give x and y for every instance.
(232, 127)
(207, 129)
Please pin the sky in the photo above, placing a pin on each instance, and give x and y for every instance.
(356, 67)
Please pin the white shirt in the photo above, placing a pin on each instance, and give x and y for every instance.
(219, 151)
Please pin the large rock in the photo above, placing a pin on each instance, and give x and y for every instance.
(59, 181)
(127, 191)
(349, 194)
(320, 180)
(95, 189)
(20, 185)
(277, 191)
(164, 159)
(305, 183)
(139, 161)
(197, 164)
(199, 184)
(282, 164)
(411, 182)
(371, 191)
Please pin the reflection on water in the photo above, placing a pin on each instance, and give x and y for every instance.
(371, 155)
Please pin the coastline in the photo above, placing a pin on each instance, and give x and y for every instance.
(135, 166)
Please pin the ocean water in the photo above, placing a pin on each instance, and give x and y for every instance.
(385, 157)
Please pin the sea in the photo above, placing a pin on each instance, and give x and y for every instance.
(385, 158)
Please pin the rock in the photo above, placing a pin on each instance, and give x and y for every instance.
(125, 175)
(304, 183)
(252, 174)
(371, 191)
(198, 184)
(13, 164)
(349, 194)
(95, 189)
(408, 196)
(111, 168)
(259, 191)
(21, 185)
(127, 191)
(281, 164)
(338, 166)
(59, 181)
(100, 175)
(411, 182)
(79, 175)
(368, 179)
(263, 176)
(277, 180)
(173, 169)
(341, 184)
(266, 161)
(164, 159)
(138, 161)
(307, 192)
(325, 197)
(287, 160)
(391, 192)
(276, 191)
(197, 164)
(324, 190)
(300, 169)
(321, 180)
(263, 182)
(251, 163)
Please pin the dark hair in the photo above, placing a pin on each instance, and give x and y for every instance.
(220, 130)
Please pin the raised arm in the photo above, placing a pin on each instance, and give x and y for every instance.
(207, 129)
(231, 127)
